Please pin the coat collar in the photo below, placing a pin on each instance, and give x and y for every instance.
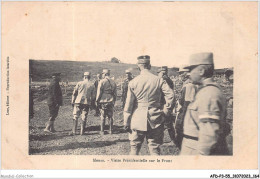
(145, 71)
(208, 81)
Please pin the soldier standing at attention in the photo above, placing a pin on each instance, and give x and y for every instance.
(125, 86)
(143, 113)
(204, 123)
(168, 123)
(187, 95)
(54, 101)
(82, 99)
(106, 98)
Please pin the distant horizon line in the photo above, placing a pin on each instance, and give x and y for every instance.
(121, 62)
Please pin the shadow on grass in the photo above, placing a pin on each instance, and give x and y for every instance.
(116, 129)
(75, 145)
(44, 137)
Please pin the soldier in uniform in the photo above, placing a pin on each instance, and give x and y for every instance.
(106, 98)
(187, 95)
(99, 76)
(204, 123)
(125, 86)
(168, 123)
(143, 114)
(54, 101)
(83, 97)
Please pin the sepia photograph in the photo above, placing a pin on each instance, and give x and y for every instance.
(129, 85)
(77, 108)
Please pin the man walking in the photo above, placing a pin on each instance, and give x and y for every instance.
(105, 99)
(54, 101)
(82, 99)
(143, 114)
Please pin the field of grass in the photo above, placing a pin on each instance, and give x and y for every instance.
(60, 143)
(41, 70)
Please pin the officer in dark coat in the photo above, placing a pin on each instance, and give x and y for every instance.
(125, 86)
(54, 101)
(168, 124)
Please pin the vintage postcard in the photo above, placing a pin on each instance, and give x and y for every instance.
(129, 85)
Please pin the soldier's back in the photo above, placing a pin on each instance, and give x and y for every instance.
(146, 87)
(107, 88)
(85, 85)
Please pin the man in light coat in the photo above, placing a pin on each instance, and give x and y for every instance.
(205, 127)
(82, 98)
(143, 114)
(105, 99)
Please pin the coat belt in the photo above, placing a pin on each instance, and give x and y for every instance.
(190, 137)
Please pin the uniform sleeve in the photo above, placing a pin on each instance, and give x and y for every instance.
(56, 94)
(59, 96)
(74, 94)
(168, 95)
(51, 94)
(182, 96)
(99, 91)
(209, 108)
(129, 106)
(170, 83)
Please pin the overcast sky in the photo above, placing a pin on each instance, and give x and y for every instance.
(169, 32)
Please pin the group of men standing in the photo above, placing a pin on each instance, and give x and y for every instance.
(86, 94)
(148, 102)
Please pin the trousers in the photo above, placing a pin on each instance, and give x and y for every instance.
(154, 138)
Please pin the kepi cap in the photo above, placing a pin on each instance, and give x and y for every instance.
(144, 59)
(200, 59)
(105, 71)
(163, 68)
(127, 71)
(87, 73)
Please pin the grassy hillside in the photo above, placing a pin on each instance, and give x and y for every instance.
(73, 70)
